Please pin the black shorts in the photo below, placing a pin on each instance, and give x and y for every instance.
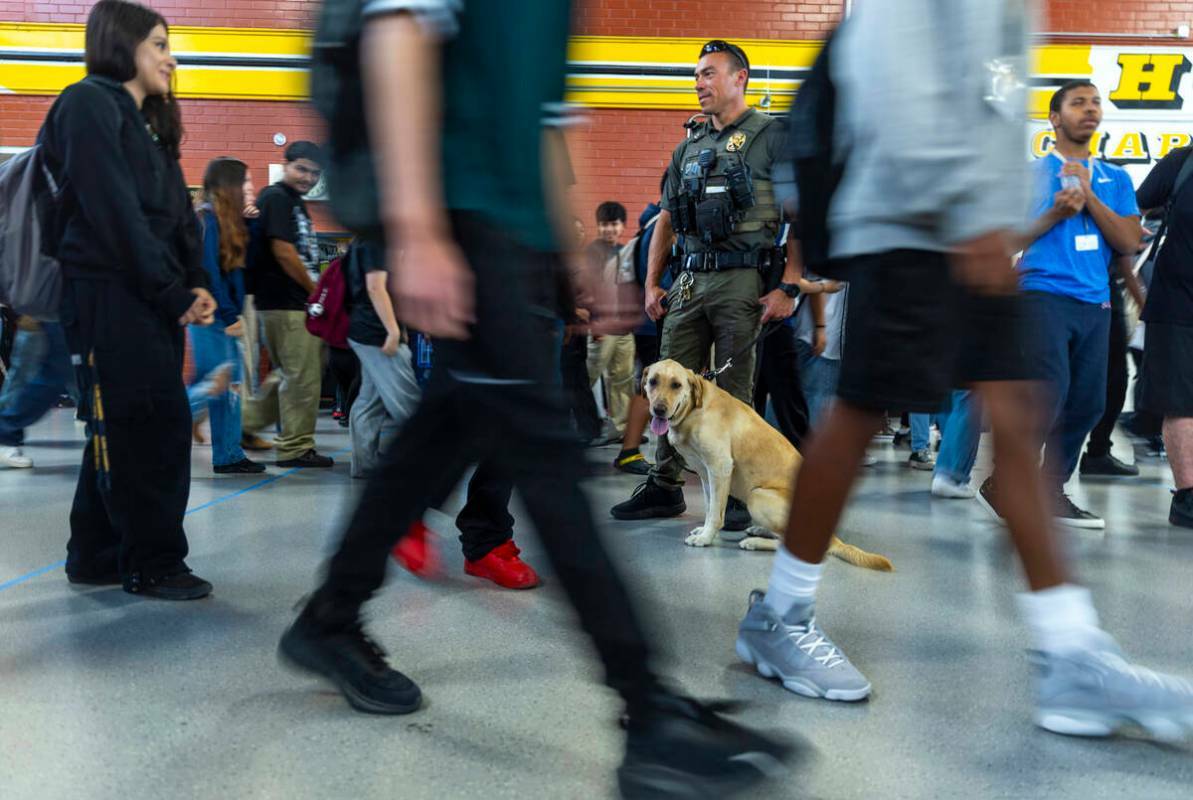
(912, 335)
(1166, 379)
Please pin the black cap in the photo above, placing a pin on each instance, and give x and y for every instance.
(307, 150)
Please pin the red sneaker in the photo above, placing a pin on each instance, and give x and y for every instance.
(417, 552)
(504, 568)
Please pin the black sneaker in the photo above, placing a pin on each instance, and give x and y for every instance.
(94, 577)
(988, 497)
(651, 500)
(737, 516)
(1180, 513)
(1107, 466)
(1068, 513)
(241, 467)
(180, 585)
(679, 748)
(308, 459)
(353, 662)
(1155, 448)
(901, 438)
(922, 460)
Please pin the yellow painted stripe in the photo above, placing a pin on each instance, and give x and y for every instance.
(594, 91)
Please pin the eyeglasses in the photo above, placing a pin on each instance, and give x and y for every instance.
(722, 46)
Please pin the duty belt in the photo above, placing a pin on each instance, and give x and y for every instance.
(719, 260)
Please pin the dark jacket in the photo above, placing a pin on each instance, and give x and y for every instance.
(126, 211)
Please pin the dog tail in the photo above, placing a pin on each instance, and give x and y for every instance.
(859, 557)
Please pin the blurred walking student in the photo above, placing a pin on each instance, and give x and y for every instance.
(218, 365)
(133, 282)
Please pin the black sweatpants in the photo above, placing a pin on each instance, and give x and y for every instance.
(345, 369)
(131, 496)
(778, 379)
(1116, 377)
(495, 398)
(573, 365)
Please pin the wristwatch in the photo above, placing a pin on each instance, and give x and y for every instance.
(790, 289)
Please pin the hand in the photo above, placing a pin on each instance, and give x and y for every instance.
(432, 286)
(202, 310)
(251, 211)
(583, 315)
(831, 287)
(983, 265)
(392, 341)
(1082, 173)
(1068, 203)
(776, 306)
(655, 295)
(819, 341)
(235, 329)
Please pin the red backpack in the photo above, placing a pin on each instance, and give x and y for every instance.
(327, 307)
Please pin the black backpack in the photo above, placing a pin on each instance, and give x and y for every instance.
(30, 276)
(337, 93)
(818, 169)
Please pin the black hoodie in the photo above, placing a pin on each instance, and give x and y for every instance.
(126, 211)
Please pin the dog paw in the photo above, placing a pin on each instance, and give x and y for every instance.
(698, 538)
(758, 543)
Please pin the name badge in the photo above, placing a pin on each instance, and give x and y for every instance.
(1086, 243)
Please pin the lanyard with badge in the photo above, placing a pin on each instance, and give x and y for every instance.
(1084, 242)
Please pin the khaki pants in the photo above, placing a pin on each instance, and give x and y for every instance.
(291, 393)
(613, 357)
(722, 313)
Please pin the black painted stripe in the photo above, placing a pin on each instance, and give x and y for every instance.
(653, 71)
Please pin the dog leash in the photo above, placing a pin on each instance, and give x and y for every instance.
(766, 331)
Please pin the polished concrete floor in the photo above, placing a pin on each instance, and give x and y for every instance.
(103, 695)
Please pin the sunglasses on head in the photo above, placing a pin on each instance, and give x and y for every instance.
(722, 46)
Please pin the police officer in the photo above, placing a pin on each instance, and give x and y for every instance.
(719, 207)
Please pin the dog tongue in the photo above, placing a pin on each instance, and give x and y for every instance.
(659, 426)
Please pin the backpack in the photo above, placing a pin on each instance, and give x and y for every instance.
(818, 168)
(337, 93)
(30, 275)
(327, 307)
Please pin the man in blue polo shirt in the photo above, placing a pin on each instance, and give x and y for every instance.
(1085, 212)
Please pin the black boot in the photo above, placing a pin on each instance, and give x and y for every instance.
(651, 500)
(348, 658)
(1181, 511)
(1106, 466)
(737, 516)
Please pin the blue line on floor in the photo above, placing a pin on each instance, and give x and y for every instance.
(271, 479)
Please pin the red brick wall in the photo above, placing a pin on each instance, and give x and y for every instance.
(1117, 16)
(216, 13)
(724, 19)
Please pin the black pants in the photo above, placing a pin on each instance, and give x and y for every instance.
(1116, 379)
(128, 508)
(495, 399)
(778, 378)
(8, 335)
(577, 388)
(485, 522)
(345, 368)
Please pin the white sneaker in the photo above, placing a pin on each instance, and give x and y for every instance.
(944, 486)
(15, 458)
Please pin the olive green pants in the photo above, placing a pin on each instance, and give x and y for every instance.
(291, 394)
(722, 313)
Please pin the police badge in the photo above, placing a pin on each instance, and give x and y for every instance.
(735, 142)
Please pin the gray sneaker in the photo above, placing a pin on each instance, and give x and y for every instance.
(795, 650)
(1097, 692)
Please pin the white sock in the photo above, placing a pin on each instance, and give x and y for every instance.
(1061, 619)
(792, 581)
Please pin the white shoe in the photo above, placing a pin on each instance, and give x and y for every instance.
(869, 460)
(15, 458)
(943, 486)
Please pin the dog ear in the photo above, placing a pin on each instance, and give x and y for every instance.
(696, 384)
(644, 379)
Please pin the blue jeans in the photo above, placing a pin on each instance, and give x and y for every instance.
(212, 349)
(38, 385)
(818, 376)
(961, 430)
(921, 430)
(1070, 349)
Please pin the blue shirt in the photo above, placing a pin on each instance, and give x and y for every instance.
(1053, 263)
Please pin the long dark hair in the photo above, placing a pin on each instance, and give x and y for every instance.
(115, 28)
(223, 187)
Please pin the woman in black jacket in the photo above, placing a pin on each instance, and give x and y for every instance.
(134, 280)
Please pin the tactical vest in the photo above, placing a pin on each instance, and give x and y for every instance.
(731, 150)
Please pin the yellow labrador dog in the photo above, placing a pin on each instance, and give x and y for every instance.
(736, 452)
